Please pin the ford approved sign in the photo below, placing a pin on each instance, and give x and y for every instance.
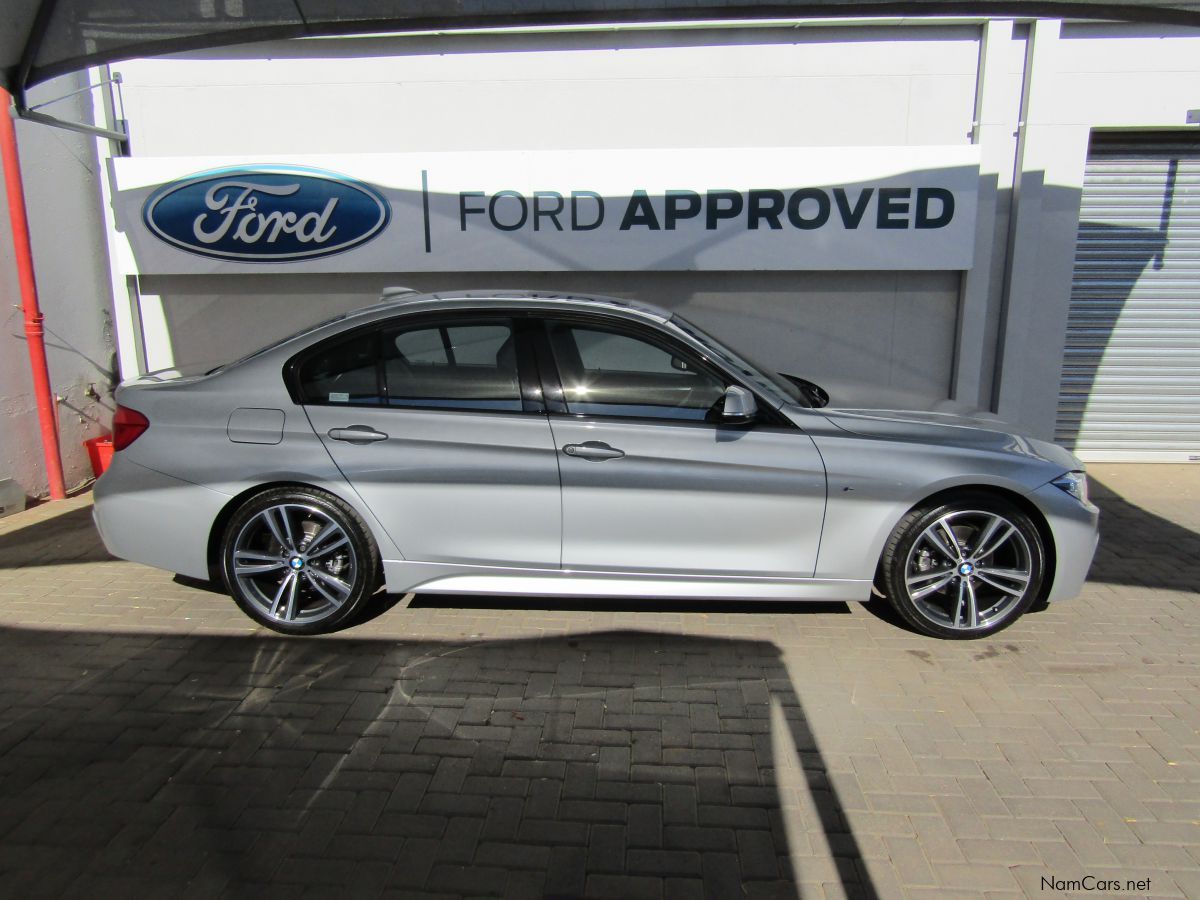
(267, 214)
(701, 209)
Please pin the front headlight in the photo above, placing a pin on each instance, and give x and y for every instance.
(1075, 484)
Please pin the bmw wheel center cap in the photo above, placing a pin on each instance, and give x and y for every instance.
(296, 563)
(966, 569)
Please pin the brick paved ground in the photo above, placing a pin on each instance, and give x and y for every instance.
(152, 742)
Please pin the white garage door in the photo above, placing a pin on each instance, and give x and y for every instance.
(1131, 370)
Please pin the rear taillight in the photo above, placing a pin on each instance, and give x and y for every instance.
(128, 425)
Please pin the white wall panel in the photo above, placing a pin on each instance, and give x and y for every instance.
(815, 87)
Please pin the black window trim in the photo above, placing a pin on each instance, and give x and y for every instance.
(529, 383)
(555, 398)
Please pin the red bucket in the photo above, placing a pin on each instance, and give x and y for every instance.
(99, 451)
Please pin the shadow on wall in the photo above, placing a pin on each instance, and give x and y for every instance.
(1122, 277)
(1105, 280)
(601, 763)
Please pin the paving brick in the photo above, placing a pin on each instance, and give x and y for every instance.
(624, 887)
(606, 849)
(629, 792)
(614, 763)
(592, 811)
(512, 855)
(410, 825)
(579, 782)
(680, 804)
(450, 773)
(645, 825)
(683, 889)
(552, 833)
(690, 837)
(522, 768)
(566, 872)
(662, 774)
(663, 862)
(731, 817)
(646, 747)
(471, 880)
(495, 787)
(459, 840)
(720, 875)
(541, 802)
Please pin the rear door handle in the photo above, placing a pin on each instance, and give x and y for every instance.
(593, 450)
(357, 434)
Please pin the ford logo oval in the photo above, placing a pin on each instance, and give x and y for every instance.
(266, 213)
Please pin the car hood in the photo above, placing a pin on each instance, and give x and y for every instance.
(980, 432)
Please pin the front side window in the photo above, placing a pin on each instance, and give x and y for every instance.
(607, 372)
(464, 365)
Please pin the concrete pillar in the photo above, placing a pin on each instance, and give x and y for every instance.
(1051, 160)
(997, 105)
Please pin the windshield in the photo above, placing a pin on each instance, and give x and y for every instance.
(761, 376)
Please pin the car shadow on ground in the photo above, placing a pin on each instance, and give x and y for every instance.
(61, 540)
(1163, 555)
(602, 764)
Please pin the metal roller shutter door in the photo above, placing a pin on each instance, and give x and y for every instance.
(1130, 385)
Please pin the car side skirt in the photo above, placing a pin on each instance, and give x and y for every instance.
(404, 577)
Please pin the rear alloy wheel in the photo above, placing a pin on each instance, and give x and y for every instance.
(964, 569)
(299, 561)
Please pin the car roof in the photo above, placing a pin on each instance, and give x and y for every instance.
(406, 299)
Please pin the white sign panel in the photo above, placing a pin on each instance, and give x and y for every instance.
(617, 210)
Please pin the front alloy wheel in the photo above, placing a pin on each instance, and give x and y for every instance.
(964, 569)
(298, 561)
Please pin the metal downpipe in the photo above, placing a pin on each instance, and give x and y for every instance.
(34, 331)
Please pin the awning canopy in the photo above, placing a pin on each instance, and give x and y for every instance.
(40, 39)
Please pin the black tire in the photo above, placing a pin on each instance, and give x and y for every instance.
(308, 563)
(936, 593)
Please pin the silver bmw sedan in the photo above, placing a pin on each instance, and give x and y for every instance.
(572, 446)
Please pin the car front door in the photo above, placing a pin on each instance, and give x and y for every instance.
(651, 483)
(428, 422)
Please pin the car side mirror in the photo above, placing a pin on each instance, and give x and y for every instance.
(739, 407)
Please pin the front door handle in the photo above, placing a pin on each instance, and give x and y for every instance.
(593, 450)
(357, 434)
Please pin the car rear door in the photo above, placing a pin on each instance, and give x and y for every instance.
(652, 485)
(428, 421)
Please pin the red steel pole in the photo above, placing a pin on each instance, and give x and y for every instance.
(47, 409)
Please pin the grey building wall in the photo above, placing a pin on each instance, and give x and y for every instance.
(60, 174)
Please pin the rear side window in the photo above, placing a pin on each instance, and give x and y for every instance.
(464, 365)
(344, 372)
